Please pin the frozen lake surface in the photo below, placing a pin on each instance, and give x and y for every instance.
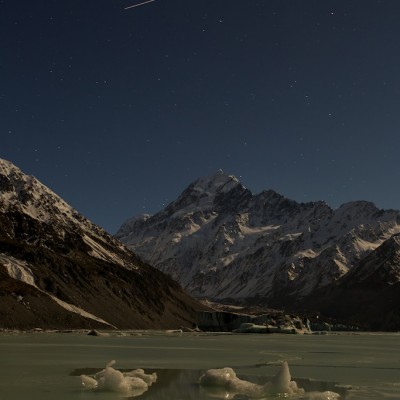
(47, 366)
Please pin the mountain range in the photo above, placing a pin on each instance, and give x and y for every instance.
(59, 270)
(226, 244)
(218, 240)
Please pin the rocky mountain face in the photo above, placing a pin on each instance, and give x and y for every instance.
(59, 270)
(369, 294)
(224, 243)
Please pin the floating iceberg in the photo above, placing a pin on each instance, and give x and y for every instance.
(130, 384)
(220, 383)
(223, 383)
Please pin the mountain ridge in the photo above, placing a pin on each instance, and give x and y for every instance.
(60, 270)
(231, 245)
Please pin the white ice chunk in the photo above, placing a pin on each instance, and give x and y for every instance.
(282, 383)
(88, 382)
(223, 383)
(226, 379)
(139, 373)
(217, 377)
(130, 384)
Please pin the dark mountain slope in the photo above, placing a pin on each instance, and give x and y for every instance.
(368, 295)
(58, 270)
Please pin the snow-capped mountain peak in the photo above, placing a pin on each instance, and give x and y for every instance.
(216, 182)
(203, 194)
(26, 193)
(222, 242)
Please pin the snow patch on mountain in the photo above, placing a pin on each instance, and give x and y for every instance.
(17, 269)
(20, 271)
(98, 251)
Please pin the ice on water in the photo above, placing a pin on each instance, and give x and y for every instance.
(132, 383)
(223, 383)
(218, 383)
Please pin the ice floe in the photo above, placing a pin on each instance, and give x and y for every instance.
(220, 383)
(223, 383)
(129, 384)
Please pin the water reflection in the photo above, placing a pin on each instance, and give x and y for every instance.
(184, 384)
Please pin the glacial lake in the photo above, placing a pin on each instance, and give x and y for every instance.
(46, 366)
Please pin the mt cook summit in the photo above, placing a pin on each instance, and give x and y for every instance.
(223, 243)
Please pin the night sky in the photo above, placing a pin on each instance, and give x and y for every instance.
(118, 110)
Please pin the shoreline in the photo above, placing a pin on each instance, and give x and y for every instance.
(162, 332)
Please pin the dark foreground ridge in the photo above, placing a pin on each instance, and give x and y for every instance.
(58, 270)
